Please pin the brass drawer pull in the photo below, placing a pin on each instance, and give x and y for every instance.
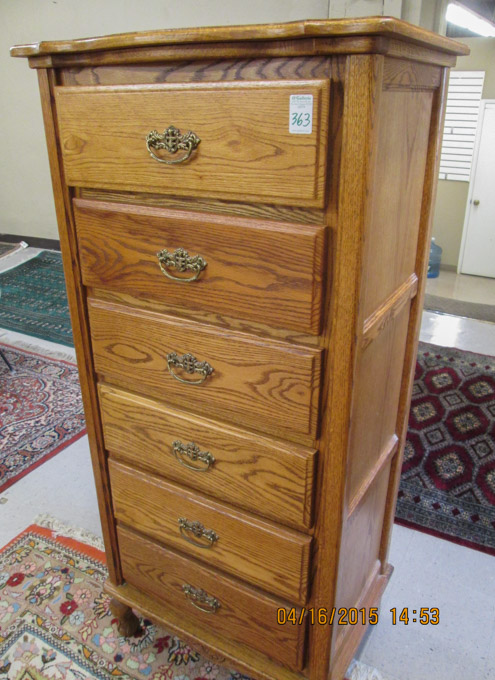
(172, 141)
(198, 531)
(181, 261)
(200, 599)
(190, 365)
(192, 452)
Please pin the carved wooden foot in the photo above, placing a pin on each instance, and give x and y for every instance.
(128, 621)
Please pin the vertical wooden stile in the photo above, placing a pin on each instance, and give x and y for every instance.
(361, 94)
(78, 313)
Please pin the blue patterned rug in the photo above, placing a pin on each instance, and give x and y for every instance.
(34, 300)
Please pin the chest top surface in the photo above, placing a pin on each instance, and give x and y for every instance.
(318, 30)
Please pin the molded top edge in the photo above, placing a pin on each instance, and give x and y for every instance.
(321, 28)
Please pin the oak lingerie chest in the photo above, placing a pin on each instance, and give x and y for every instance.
(244, 216)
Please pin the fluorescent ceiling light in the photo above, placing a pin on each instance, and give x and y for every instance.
(460, 16)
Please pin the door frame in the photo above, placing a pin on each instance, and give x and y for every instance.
(474, 166)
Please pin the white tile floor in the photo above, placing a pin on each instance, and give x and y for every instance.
(429, 572)
(20, 256)
(456, 331)
(463, 287)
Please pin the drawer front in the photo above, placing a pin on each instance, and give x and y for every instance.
(260, 552)
(246, 150)
(210, 599)
(255, 473)
(271, 386)
(262, 271)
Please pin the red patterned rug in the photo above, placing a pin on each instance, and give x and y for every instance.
(40, 411)
(447, 485)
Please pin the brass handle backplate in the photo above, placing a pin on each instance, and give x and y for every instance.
(172, 141)
(181, 261)
(192, 452)
(190, 365)
(203, 538)
(200, 599)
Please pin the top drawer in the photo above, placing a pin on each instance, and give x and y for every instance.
(246, 149)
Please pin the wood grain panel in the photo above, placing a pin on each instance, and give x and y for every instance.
(407, 75)
(208, 70)
(244, 615)
(422, 255)
(384, 459)
(270, 386)
(396, 190)
(374, 411)
(263, 211)
(268, 272)
(348, 645)
(246, 148)
(388, 310)
(252, 472)
(260, 552)
(224, 321)
(360, 549)
(401, 50)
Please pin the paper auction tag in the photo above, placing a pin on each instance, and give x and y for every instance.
(301, 114)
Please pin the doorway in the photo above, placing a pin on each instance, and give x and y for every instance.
(477, 254)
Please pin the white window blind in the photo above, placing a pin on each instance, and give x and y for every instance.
(461, 119)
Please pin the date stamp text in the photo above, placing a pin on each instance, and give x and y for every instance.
(353, 616)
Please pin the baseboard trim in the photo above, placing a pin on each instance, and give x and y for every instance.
(34, 241)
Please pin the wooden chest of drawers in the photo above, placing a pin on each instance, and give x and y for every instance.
(244, 216)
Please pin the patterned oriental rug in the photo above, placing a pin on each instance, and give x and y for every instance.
(56, 624)
(447, 485)
(40, 411)
(34, 300)
(55, 621)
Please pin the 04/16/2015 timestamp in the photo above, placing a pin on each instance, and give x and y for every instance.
(353, 616)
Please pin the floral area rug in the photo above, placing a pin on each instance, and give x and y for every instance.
(448, 476)
(34, 300)
(41, 411)
(55, 621)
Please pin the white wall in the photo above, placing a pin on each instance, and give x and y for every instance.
(448, 219)
(26, 204)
